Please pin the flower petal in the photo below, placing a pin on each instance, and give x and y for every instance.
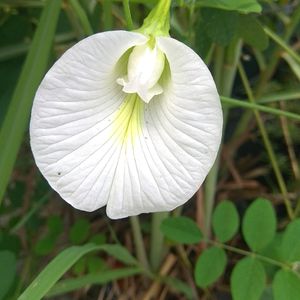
(97, 145)
(177, 143)
(72, 116)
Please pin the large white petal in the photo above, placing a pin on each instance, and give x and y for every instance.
(72, 116)
(96, 145)
(177, 142)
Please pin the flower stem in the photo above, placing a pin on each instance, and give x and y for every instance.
(224, 74)
(157, 240)
(138, 241)
(127, 14)
(157, 23)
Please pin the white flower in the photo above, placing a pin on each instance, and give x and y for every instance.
(128, 122)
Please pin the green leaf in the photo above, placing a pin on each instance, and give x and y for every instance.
(8, 265)
(210, 266)
(259, 224)
(225, 221)
(248, 279)
(17, 116)
(98, 239)
(245, 6)
(80, 266)
(79, 231)
(69, 285)
(181, 229)
(95, 264)
(286, 286)
(55, 225)
(219, 25)
(252, 32)
(45, 245)
(290, 248)
(63, 262)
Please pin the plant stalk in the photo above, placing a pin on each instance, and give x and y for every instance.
(157, 240)
(139, 242)
(268, 144)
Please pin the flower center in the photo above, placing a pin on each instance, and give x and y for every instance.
(145, 66)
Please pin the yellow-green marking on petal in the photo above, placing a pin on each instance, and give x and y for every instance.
(129, 118)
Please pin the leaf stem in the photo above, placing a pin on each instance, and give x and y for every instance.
(157, 239)
(252, 254)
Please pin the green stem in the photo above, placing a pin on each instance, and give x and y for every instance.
(107, 15)
(267, 143)
(157, 240)
(275, 56)
(224, 74)
(157, 23)
(263, 108)
(139, 242)
(252, 254)
(127, 14)
(85, 23)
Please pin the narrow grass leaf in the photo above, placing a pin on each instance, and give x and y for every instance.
(259, 224)
(248, 280)
(120, 253)
(287, 94)
(210, 266)
(180, 286)
(263, 108)
(225, 221)
(98, 278)
(8, 265)
(286, 286)
(63, 262)
(83, 18)
(17, 116)
(278, 40)
(295, 67)
(182, 230)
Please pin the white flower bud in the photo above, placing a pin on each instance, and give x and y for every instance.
(145, 66)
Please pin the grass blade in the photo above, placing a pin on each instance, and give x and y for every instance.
(64, 261)
(263, 108)
(17, 116)
(73, 284)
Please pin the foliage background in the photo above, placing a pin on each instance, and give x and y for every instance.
(238, 238)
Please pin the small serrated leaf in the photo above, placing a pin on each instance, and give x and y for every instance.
(181, 229)
(210, 266)
(248, 279)
(259, 224)
(225, 221)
